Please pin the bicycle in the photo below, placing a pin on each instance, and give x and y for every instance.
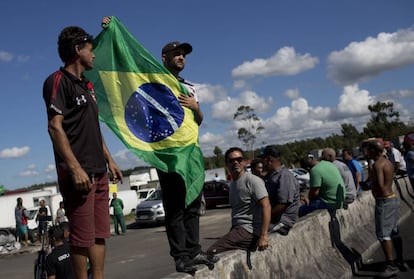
(40, 262)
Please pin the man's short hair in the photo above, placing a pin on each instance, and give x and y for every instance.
(328, 154)
(56, 233)
(69, 37)
(255, 162)
(270, 150)
(376, 146)
(306, 161)
(230, 150)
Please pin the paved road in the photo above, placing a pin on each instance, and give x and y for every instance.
(374, 263)
(142, 253)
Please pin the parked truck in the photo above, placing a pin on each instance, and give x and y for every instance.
(30, 200)
(142, 177)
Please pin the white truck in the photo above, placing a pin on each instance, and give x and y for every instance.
(145, 190)
(30, 200)
(215, 174)
(142, 177)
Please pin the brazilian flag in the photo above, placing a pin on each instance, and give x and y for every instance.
(137, 100)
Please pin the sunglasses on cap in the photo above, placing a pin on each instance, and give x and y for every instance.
(85, 39)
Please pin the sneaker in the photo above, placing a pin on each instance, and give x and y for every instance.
(402, 266)
(183, 264)
(204, 258)
(389, 271)
(280, 229)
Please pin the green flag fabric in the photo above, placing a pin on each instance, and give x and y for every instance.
(137, 100)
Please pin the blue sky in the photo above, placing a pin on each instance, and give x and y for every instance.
(305, 67)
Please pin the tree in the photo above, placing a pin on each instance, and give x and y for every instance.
(252, 126)
(351, 135)
(385, 122)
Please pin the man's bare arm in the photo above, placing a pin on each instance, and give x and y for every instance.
(263, 241)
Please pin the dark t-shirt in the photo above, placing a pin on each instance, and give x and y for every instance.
(43, 211)
(41, 214)
(58, 263)
(283, 188)
(66, 95)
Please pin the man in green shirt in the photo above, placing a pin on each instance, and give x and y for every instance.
(118, 216)
(327, 190)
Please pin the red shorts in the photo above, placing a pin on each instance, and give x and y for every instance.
(88, 213)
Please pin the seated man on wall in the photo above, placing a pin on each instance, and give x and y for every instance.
(355, 167)
(327, 188)
(328, 154)
(250, 209)
(283, 189)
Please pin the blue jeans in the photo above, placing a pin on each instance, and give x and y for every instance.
(312, 206)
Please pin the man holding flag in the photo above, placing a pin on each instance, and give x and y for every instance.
(156, 114)
(181, 222)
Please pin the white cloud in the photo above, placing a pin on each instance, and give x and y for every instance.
(209, 141)
(31, 166)
(28, 173)
(397, 94)
(223, 140)
(123, 154)
(31, 170)
(50, 168)
(5, 56)
(208, 93)
(239, 84)
(127, 160)
(14, 152)
(226, 108)
(360, 61)
(354, 101)
(284, 62)
(292, 93)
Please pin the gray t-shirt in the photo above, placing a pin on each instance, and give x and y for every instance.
(348, 179)
(283, 188)
(245, 194)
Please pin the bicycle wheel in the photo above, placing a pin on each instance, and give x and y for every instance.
(40, 266)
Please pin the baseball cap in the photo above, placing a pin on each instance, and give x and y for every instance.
(270, 151)
(177, 45)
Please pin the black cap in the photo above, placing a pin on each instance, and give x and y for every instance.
(270, 151)
(177, 45)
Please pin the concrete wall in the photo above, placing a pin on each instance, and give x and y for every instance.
(318, 246)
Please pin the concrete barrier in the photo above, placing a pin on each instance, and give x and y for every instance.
(320, 245)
